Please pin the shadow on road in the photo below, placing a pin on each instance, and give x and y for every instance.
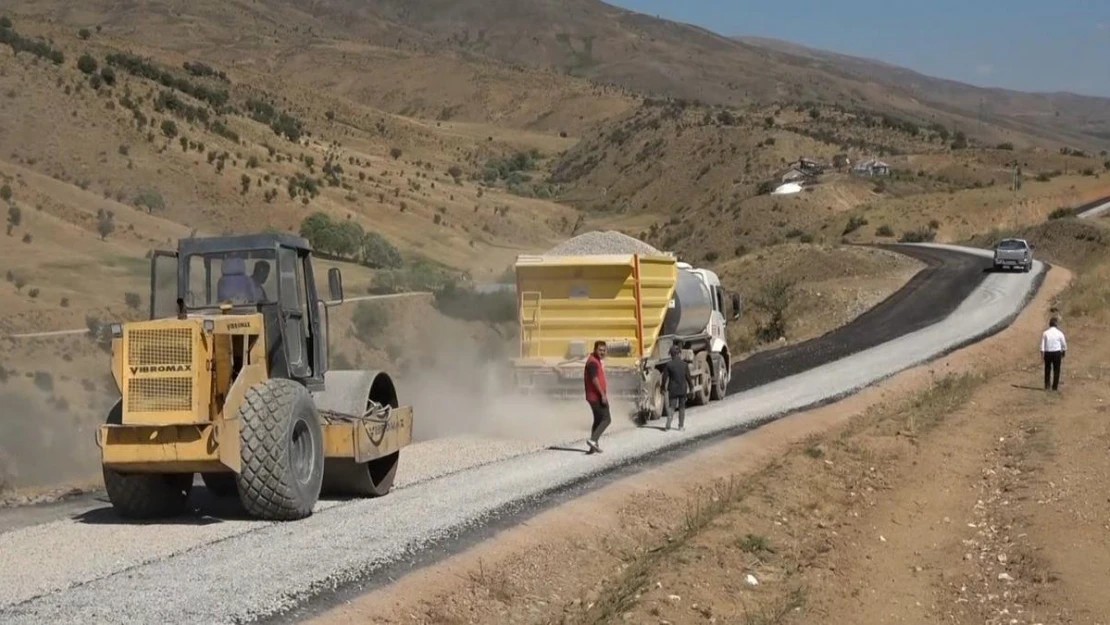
(204, 509)
(575, 449)
(1027, 388)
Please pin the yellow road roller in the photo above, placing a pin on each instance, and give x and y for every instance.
(229, 378)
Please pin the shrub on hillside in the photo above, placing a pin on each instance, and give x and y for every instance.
(370, 320)
(855, 222)
(35, 46)
(884, 231)
(87, 64)
(419, 275)
(1061, 213)
(921, 235)
(463, 302)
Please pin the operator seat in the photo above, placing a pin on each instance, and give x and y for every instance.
(234, 284)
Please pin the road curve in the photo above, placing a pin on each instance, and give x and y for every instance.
(222, 568)
(944, 284)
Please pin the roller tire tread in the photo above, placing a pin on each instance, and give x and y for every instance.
(145, 495)
(267, 487)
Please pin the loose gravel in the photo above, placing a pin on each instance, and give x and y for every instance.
(602, 242)
(223, 571)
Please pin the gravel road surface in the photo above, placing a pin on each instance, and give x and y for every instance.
(222, 568)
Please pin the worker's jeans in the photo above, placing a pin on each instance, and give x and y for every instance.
(678, 402)
(602, 419)
(1052, 364)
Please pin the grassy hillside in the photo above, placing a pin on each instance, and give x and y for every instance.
(697, 179)
(476, 60)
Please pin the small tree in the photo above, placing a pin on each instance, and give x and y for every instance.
(86, 64)
(84, 33)
(169, 128)
(774, 300)
(105, 225)
(132, 300)
(378, 253)
(150, 199)
(395, 153)
(6, 193)
(455, 172)
(15, 217)
(5, 22)
(245, 181)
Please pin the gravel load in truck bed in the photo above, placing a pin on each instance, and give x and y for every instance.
(598, 242)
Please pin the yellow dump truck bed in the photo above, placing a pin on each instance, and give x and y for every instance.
(568, 302)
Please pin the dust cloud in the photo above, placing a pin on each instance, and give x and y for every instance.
(44, 447)
(468, 390)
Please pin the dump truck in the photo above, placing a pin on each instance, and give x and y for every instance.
(639, 305)
(229, 378)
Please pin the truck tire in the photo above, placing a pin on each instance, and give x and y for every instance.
(145, 495)
(717, 393)
(220, 484)
(282, 449)
(703, 389)
(346, 478)
(653, 404)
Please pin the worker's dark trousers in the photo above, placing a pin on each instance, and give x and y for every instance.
(678, 402)
(601, 419)
(1052, 363)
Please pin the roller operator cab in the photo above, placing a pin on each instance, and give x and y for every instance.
(229, 378)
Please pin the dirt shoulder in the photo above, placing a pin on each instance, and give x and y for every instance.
(887, 503)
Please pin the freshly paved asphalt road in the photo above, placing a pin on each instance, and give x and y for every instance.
(76, 562)
(931, 295)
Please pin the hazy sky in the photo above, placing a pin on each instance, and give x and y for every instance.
(1031, 45)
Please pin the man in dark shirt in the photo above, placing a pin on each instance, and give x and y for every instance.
(677, 381)
(597, 395)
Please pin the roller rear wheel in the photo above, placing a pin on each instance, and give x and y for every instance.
(145, 495)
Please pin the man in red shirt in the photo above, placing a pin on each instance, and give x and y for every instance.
(596, 394)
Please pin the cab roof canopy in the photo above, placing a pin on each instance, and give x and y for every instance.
(233, 243)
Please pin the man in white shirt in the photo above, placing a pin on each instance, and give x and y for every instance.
(1053, 348)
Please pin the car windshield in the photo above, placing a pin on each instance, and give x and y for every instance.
(239, 278)
(1010, 244)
